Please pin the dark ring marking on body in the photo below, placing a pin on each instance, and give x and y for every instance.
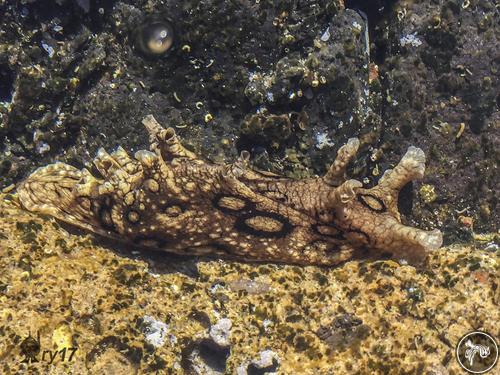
(217, 202)
(362, 198)
(105, 219)
(132, 216)
(359, 231)
(173, 210)
(338, 236)
(102, 211)
(173, 207)
(242, 226)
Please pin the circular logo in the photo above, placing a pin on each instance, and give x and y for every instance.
(477, 352)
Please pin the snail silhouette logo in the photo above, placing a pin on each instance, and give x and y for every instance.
(30, 348)
(477, 352)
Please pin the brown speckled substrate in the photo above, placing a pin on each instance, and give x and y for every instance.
(128, 313)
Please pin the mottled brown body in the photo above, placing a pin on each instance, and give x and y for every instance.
(169, 199)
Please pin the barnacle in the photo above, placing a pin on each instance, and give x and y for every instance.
(154, 37)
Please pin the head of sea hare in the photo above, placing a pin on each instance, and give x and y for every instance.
(371, 217)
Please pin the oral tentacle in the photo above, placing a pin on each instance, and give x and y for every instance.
(346, 192)
(165, 141)
(411, 167)
(336, 173)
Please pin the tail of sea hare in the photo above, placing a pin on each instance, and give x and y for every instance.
(51, 190)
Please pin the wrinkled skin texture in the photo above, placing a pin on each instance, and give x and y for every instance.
(169, 199)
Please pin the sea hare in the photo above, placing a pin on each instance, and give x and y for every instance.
(168, 198)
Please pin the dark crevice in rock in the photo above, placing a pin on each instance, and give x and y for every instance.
(204, 354)
(405, 199)
(7, 78)
(254, 370)
(214, 356)
(376, 12)
(70, 13)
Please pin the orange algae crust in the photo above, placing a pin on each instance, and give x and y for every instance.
(130, 312)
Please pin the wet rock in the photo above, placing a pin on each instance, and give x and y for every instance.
(440, 82)
(155, 331)
(220, 333)
(268, 363)
(203, 357)
(250, 286)
(344, 331)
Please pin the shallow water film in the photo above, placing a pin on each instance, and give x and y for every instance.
(249, 187)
